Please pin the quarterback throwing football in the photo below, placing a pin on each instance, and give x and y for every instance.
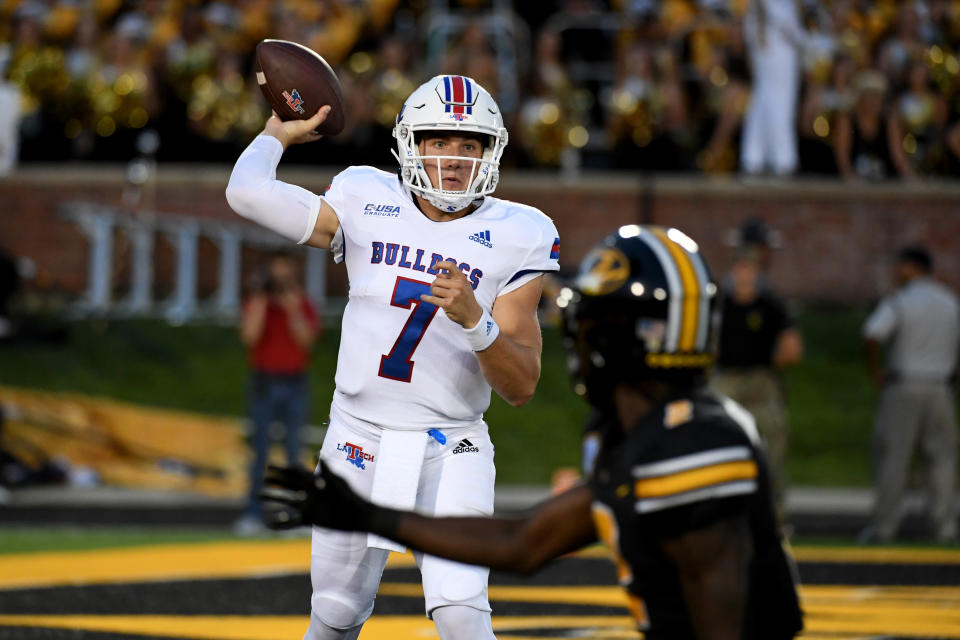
(444, 285)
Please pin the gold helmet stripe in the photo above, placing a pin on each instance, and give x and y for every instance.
(691, 292)
(674, 284)
(707, 291)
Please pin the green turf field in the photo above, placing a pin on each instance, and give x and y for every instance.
(202, 368)
(27, 539)
(32, 539)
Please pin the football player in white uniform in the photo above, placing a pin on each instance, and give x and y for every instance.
(444, 285)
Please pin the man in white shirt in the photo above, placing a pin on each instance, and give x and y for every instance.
(444, 285)
(920, 324)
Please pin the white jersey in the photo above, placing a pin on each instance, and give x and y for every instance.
(403, 364)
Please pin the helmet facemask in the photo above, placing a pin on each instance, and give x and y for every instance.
(606, 344)
(484, 171)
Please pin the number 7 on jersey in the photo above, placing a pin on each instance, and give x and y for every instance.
(397, 365)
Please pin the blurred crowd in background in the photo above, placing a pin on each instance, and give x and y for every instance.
(624, 84)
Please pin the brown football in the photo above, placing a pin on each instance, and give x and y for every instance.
(296, 82)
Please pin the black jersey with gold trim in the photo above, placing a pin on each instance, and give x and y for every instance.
(691, 462)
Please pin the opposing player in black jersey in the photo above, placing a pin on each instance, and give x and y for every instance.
(680, 490)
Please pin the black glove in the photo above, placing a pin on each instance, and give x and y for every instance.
(295, 497)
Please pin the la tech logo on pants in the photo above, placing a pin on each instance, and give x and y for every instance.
(355, 454)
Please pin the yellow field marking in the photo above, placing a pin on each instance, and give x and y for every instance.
(870, 555)
(200, 627)
(866, 610)
(597, 626)
(292, 627)
(831, 612)
(601, 596)
(882, 594)
(881, 555)
(887, 611)
(884, 620)
(230, 559)
(221, 559)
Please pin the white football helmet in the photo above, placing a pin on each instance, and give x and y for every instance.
(450, 103)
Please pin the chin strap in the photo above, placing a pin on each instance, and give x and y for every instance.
(447, 205)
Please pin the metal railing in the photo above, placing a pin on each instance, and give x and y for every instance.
(99, 224)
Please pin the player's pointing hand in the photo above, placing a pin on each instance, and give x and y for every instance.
(452, 292)
(296, 131)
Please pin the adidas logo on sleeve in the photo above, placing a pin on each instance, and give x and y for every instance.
(465, 446)
(482, 237)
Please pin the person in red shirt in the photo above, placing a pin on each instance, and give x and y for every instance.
(278, 327)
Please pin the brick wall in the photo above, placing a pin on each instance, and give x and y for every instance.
(838, 239)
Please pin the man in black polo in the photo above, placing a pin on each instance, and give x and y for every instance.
(757, 340)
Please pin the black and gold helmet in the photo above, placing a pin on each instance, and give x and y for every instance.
(641, 307)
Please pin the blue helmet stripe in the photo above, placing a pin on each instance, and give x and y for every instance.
(469, 100)
(446, 88)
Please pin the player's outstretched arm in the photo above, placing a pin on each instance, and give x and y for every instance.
(255, 193)
(522, 544)
(713, 564)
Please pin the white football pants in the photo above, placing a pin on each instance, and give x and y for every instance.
(455, 480)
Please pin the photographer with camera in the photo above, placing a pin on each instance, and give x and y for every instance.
(278, 327)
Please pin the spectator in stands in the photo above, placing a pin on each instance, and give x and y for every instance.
(953, 143)
(757, 340)
(335, 29)
(920, 325)
(63, 59)
(896, 53)
(824, 103)
(278, 327)
(548, 68)
(394, 80)
(9, 285)
(122, 90)
(646, 109)
(726, 93)
(190, 54)
(920, 115)
(472, 54)
(944, 23)
(9, 127)
(547, 109)
(775, 39)
(222, 108)
(867, 142)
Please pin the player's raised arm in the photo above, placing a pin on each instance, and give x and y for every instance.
(523, 544)
(255, 193)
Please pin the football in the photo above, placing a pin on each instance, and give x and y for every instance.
(296, 82)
